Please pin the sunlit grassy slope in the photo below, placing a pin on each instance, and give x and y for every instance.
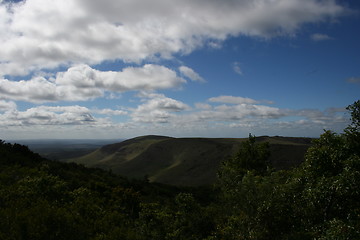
(185, 161)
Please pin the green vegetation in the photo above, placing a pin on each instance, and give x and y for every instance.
(185, 161)
(42, 199)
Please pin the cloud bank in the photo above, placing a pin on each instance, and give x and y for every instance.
(81, 82)
(158, 114)
(91, 31)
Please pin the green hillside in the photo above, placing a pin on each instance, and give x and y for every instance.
(185, 161)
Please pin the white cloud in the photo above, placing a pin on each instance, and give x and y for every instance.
(237, 68)
(55, 116)
(191, 74)
(82, 82)
(239, 111)
(215, 44)
(235, 119)
(91, 31)
(238, 100)
(7, 106)
(317, 37)
(109, 112)
(233, 100)
(232, 111)
(331, 115)
(168, 116)
(243, 111)
(45, 115)
(39, 90)
(148, 77)
(203, 106)
(158, 109)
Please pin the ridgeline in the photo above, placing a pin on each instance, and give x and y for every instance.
(186, 161)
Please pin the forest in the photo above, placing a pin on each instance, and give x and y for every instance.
(319, 199)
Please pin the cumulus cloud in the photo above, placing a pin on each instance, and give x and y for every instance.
(45, 115)
(7, 106)
(168, 114)
(40, 89)
(91, 31)
(54, 115)
(60, 122)
(82, 82)
(191, 74)
(317, 37)
(158, 109)
(148, 77)
(240, 112)
(330, 115)
(232, 110)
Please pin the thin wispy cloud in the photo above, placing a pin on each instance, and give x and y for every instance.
(233, 100)
(191, 74)
(237, 68)
(355, 80)
(318, 37)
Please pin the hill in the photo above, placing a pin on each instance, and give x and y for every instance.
(185, 161)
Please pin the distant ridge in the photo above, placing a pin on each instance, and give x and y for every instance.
(115, 146)
(185, 161)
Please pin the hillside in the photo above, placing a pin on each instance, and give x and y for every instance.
(185, 161)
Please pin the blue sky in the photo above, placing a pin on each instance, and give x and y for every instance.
(206, 68)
